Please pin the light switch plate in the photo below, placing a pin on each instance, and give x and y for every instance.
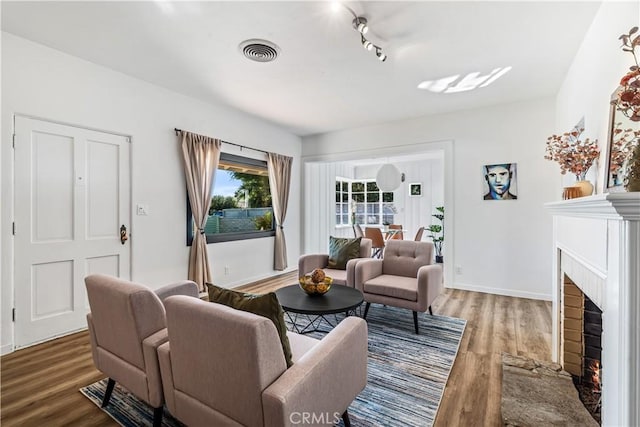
(142, 209)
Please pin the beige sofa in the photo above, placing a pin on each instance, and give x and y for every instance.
(307, 263)
(226, 367)
(126, 326)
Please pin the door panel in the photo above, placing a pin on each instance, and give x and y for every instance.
(52, 187)
(72, 188)
(52, 297)
(102, 190)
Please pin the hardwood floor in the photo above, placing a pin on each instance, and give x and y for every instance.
(40, 383)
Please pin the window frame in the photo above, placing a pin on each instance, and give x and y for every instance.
(350, 203)
(231, 237)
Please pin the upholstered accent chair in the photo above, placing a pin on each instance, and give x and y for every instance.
(357, 230)
(419, 234)
(307, 263)
(399, 235)
(126, 326)
(405, 277)
(226, 367)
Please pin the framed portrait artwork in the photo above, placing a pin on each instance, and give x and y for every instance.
(500, 181)
(415, 189)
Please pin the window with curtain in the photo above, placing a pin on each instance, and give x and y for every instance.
(240, 205)
(363, 198)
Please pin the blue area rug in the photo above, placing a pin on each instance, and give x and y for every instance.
(407, 374)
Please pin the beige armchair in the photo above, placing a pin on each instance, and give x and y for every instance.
(405, 277)
(126, 326)
(225, 367)
(307, 263)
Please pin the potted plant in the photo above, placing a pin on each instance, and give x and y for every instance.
(437, 233)
(574, 155)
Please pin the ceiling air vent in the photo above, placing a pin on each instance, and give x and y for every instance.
(259, 50)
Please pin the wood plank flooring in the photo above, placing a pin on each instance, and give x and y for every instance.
(39, 384)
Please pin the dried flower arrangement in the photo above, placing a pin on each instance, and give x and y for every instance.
(624, 141)
(629, 94)
(572, 154)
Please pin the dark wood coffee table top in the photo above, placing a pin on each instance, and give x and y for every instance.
(339, 299)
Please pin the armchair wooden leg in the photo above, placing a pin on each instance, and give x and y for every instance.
(366, 310)
(108, 391)
(430, 311)
(157, 417)
(415, 321)
(345, 418)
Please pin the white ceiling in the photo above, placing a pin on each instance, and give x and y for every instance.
(323, 79)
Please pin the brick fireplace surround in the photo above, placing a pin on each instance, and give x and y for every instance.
(596, 243)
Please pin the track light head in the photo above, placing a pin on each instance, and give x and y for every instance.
(360, 24)
(380, 54)
(366, 43)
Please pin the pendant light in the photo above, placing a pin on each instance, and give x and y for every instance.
(388, 177)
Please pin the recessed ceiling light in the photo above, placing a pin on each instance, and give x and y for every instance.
(471, 81)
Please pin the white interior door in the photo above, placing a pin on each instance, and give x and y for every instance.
(72, 195)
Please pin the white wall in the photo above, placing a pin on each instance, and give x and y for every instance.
(414, 212)
(500, 246)
(319, 204)
(48, 84)
(594, 75)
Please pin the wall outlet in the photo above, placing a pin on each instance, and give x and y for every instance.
(458, 269)
(226, 270)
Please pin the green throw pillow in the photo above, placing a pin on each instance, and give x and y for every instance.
(263, 305)
(341, 251)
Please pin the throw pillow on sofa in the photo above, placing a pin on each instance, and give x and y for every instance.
(341, 250)
(266, 305)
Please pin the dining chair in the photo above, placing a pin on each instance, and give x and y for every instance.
(398, 235)
(418, 237)
(377, 241)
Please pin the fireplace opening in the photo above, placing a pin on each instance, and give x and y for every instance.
(582, 341)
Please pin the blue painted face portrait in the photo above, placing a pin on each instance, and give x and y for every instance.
(498, 179)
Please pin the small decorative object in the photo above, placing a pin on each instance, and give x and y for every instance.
(574, 155)
(628, 101)
(437, 233)
(415, 189)
(571, 193)
(500, 181)
(316, 283)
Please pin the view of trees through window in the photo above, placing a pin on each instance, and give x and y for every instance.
(363, 202)
(240, 205)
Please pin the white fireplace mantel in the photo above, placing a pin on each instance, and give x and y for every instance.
(597, 241)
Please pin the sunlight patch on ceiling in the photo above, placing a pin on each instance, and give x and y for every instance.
(455, 84)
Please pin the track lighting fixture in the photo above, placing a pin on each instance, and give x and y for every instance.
(366, 43)
(360, 24)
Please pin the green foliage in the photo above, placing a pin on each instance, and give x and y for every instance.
(264, 222)
(257, 187)
(219, 203)
(437, 231)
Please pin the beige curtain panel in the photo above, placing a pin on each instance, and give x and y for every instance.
(279, 168)
(201, 157)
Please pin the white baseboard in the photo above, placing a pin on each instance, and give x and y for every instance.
(501, 291)
(6, 349)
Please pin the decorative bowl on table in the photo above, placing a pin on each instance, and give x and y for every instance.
(315, 288)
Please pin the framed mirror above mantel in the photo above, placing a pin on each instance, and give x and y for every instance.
(623, 149)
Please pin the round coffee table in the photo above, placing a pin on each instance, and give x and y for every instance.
(339, 299)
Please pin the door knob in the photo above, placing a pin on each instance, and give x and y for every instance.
(123, 234)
